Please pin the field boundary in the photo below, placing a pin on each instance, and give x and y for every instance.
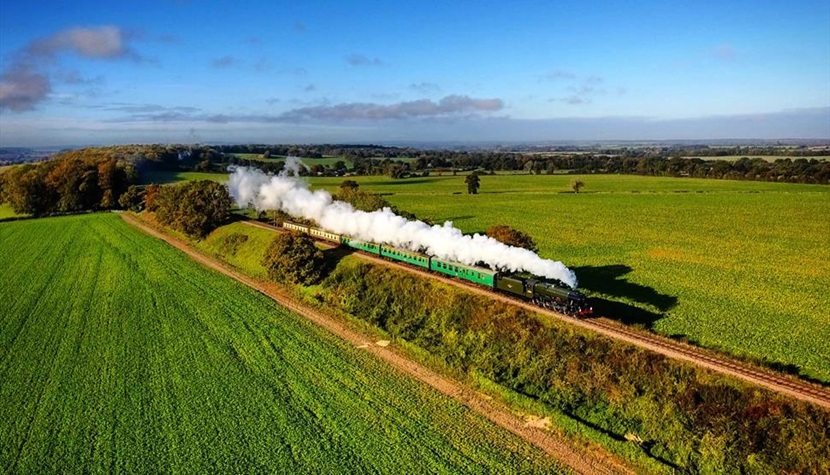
(579, 459)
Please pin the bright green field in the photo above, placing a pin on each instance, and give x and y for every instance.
(330, 161)
(119, 354)
(6, 211)
(742, 266)
(165, 176)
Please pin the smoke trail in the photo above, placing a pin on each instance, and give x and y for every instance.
(292, 195)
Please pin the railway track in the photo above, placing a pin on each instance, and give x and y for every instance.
(782, 383)
(763, 377)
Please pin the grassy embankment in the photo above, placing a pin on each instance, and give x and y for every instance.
(736, 265)
(687, 418)
(120, 354)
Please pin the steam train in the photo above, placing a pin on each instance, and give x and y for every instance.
(544, 293)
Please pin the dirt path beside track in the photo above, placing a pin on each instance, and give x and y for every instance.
(588, 460)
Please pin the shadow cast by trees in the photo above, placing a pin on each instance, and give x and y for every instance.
(333, 256)
(609, 280)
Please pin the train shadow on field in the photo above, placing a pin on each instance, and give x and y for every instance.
(624, 313)
(609, 280)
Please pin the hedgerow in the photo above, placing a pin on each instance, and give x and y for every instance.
(686, 417)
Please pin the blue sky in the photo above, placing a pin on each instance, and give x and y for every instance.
(88, 72)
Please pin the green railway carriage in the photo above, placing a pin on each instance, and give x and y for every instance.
(369, 247)
(414, 258)
(543, 293)
(479, 275)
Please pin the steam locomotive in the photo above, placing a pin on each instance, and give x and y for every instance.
(544, 293)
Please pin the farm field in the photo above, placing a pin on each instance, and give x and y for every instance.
(739, 266)
(512, 183)
(165, 176)
(120, 354)
(767, 158)
(6, 211)
(330, 161)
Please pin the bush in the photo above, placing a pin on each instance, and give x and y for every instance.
(361, 200)
(512, 237)
(294, 258)
(230, 243)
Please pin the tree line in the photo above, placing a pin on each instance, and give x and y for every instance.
(95, 178)
(648, 161)
(68, 185)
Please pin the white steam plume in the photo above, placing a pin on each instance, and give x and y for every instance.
(292, 195)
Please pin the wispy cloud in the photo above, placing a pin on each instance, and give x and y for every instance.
(362, 60)
(447, 106)
(133, 108)
(74, 77)
(425, 87)
(558, 75)
(579, 90)
(224, 62)
(25, 82)
(105, 42)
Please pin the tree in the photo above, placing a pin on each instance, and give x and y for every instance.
(26, 191)
(512, 237)
(195, 208)
(577, 185)
(473, 183)
(351, 193)
(349, 185)
(132, 199)
(293, 257)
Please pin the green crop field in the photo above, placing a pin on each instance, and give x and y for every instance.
(330, 161)
(736, 265)
(165, 176)
(120, 354)
(6, 211)
(767, 158)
